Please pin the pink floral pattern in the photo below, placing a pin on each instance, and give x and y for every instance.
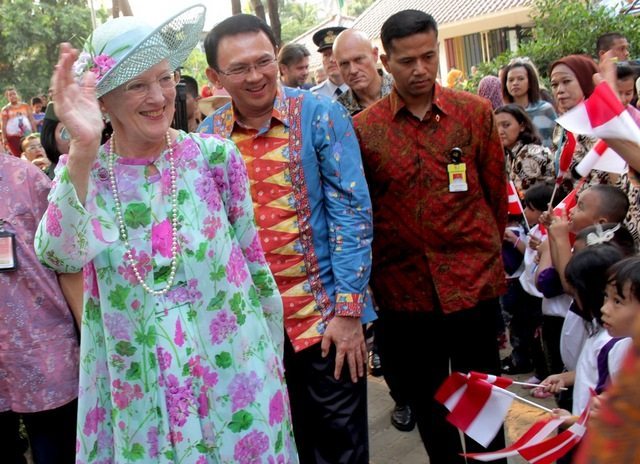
(161, 238)
(102, 64)
(195, 375)
(38, 346)
(53, 221)
(236, 268)
(222, 326)
(276, 409)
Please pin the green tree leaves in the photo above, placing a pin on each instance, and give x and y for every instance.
(573, 26)
(30, 33)
(563, 28)
(296, 18)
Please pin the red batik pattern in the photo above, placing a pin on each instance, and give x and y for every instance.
(279, 227)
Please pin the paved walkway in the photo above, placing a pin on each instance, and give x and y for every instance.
(389, 446)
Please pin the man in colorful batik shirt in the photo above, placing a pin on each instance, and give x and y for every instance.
(314, 218)
(437, 177)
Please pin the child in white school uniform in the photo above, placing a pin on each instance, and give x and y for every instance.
(601, 354)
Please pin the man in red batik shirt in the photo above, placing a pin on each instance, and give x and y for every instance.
(436, 173)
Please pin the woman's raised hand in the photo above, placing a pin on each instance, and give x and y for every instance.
(76, 104)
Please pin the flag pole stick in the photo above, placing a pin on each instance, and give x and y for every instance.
(553, 195)
(526, 384)
(524, 400)
(530, 403)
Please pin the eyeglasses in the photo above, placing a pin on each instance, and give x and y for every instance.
(140, 88)
(242, 70)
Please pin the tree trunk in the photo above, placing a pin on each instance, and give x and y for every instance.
(258, 9)
(236, 7)
(126, 8)
(274, 19)
(119, 6)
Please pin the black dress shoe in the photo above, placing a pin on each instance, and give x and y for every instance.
(375, 365)
(402, 418)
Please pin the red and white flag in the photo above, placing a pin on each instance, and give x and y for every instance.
(554, 448)
(601, 115)
(566, 156)
(451, 390)
(534, 445)
(515, 207)
(602, 158)
(536, 434)
(502, 382)
(476, 407)
(567, 204)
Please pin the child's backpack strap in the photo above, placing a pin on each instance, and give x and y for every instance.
(603, 364)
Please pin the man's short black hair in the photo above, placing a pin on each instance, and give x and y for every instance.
(36, 100)
(292, 53)
(238, 24)
(191, 85)
(605, 41)
(406, 23)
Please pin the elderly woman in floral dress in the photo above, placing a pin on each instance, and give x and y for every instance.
(182, 327)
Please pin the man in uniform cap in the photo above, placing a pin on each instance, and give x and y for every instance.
(334, 85)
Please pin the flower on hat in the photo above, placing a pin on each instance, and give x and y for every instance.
(103, 63)
(125, 47)
(99, 64)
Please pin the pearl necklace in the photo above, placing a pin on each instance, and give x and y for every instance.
(124, 236)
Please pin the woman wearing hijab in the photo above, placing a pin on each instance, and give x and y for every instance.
(182, 331)
(490, 88)
(571, 82)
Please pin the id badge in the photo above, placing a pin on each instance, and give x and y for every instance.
(457, 177)
(8, 261)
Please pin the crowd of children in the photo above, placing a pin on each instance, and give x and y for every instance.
(572, 304)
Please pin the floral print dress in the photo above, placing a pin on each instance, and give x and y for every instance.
(195, 375)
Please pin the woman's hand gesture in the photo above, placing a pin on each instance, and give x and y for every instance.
(76, 104)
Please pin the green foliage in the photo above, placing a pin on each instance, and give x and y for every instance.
(564, 27)
(296, 18)
(489, 68)
(573, 26)
(356, 7)
(195, 66)
(30, 33)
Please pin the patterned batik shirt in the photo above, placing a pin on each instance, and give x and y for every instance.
(312, 206)
(38, 343)
(434, 248)
(350, 101)
(528, 164)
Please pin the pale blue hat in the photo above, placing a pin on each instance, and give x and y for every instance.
(125, 47)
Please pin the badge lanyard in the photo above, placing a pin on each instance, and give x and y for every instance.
(457, 172)
(8, 259)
